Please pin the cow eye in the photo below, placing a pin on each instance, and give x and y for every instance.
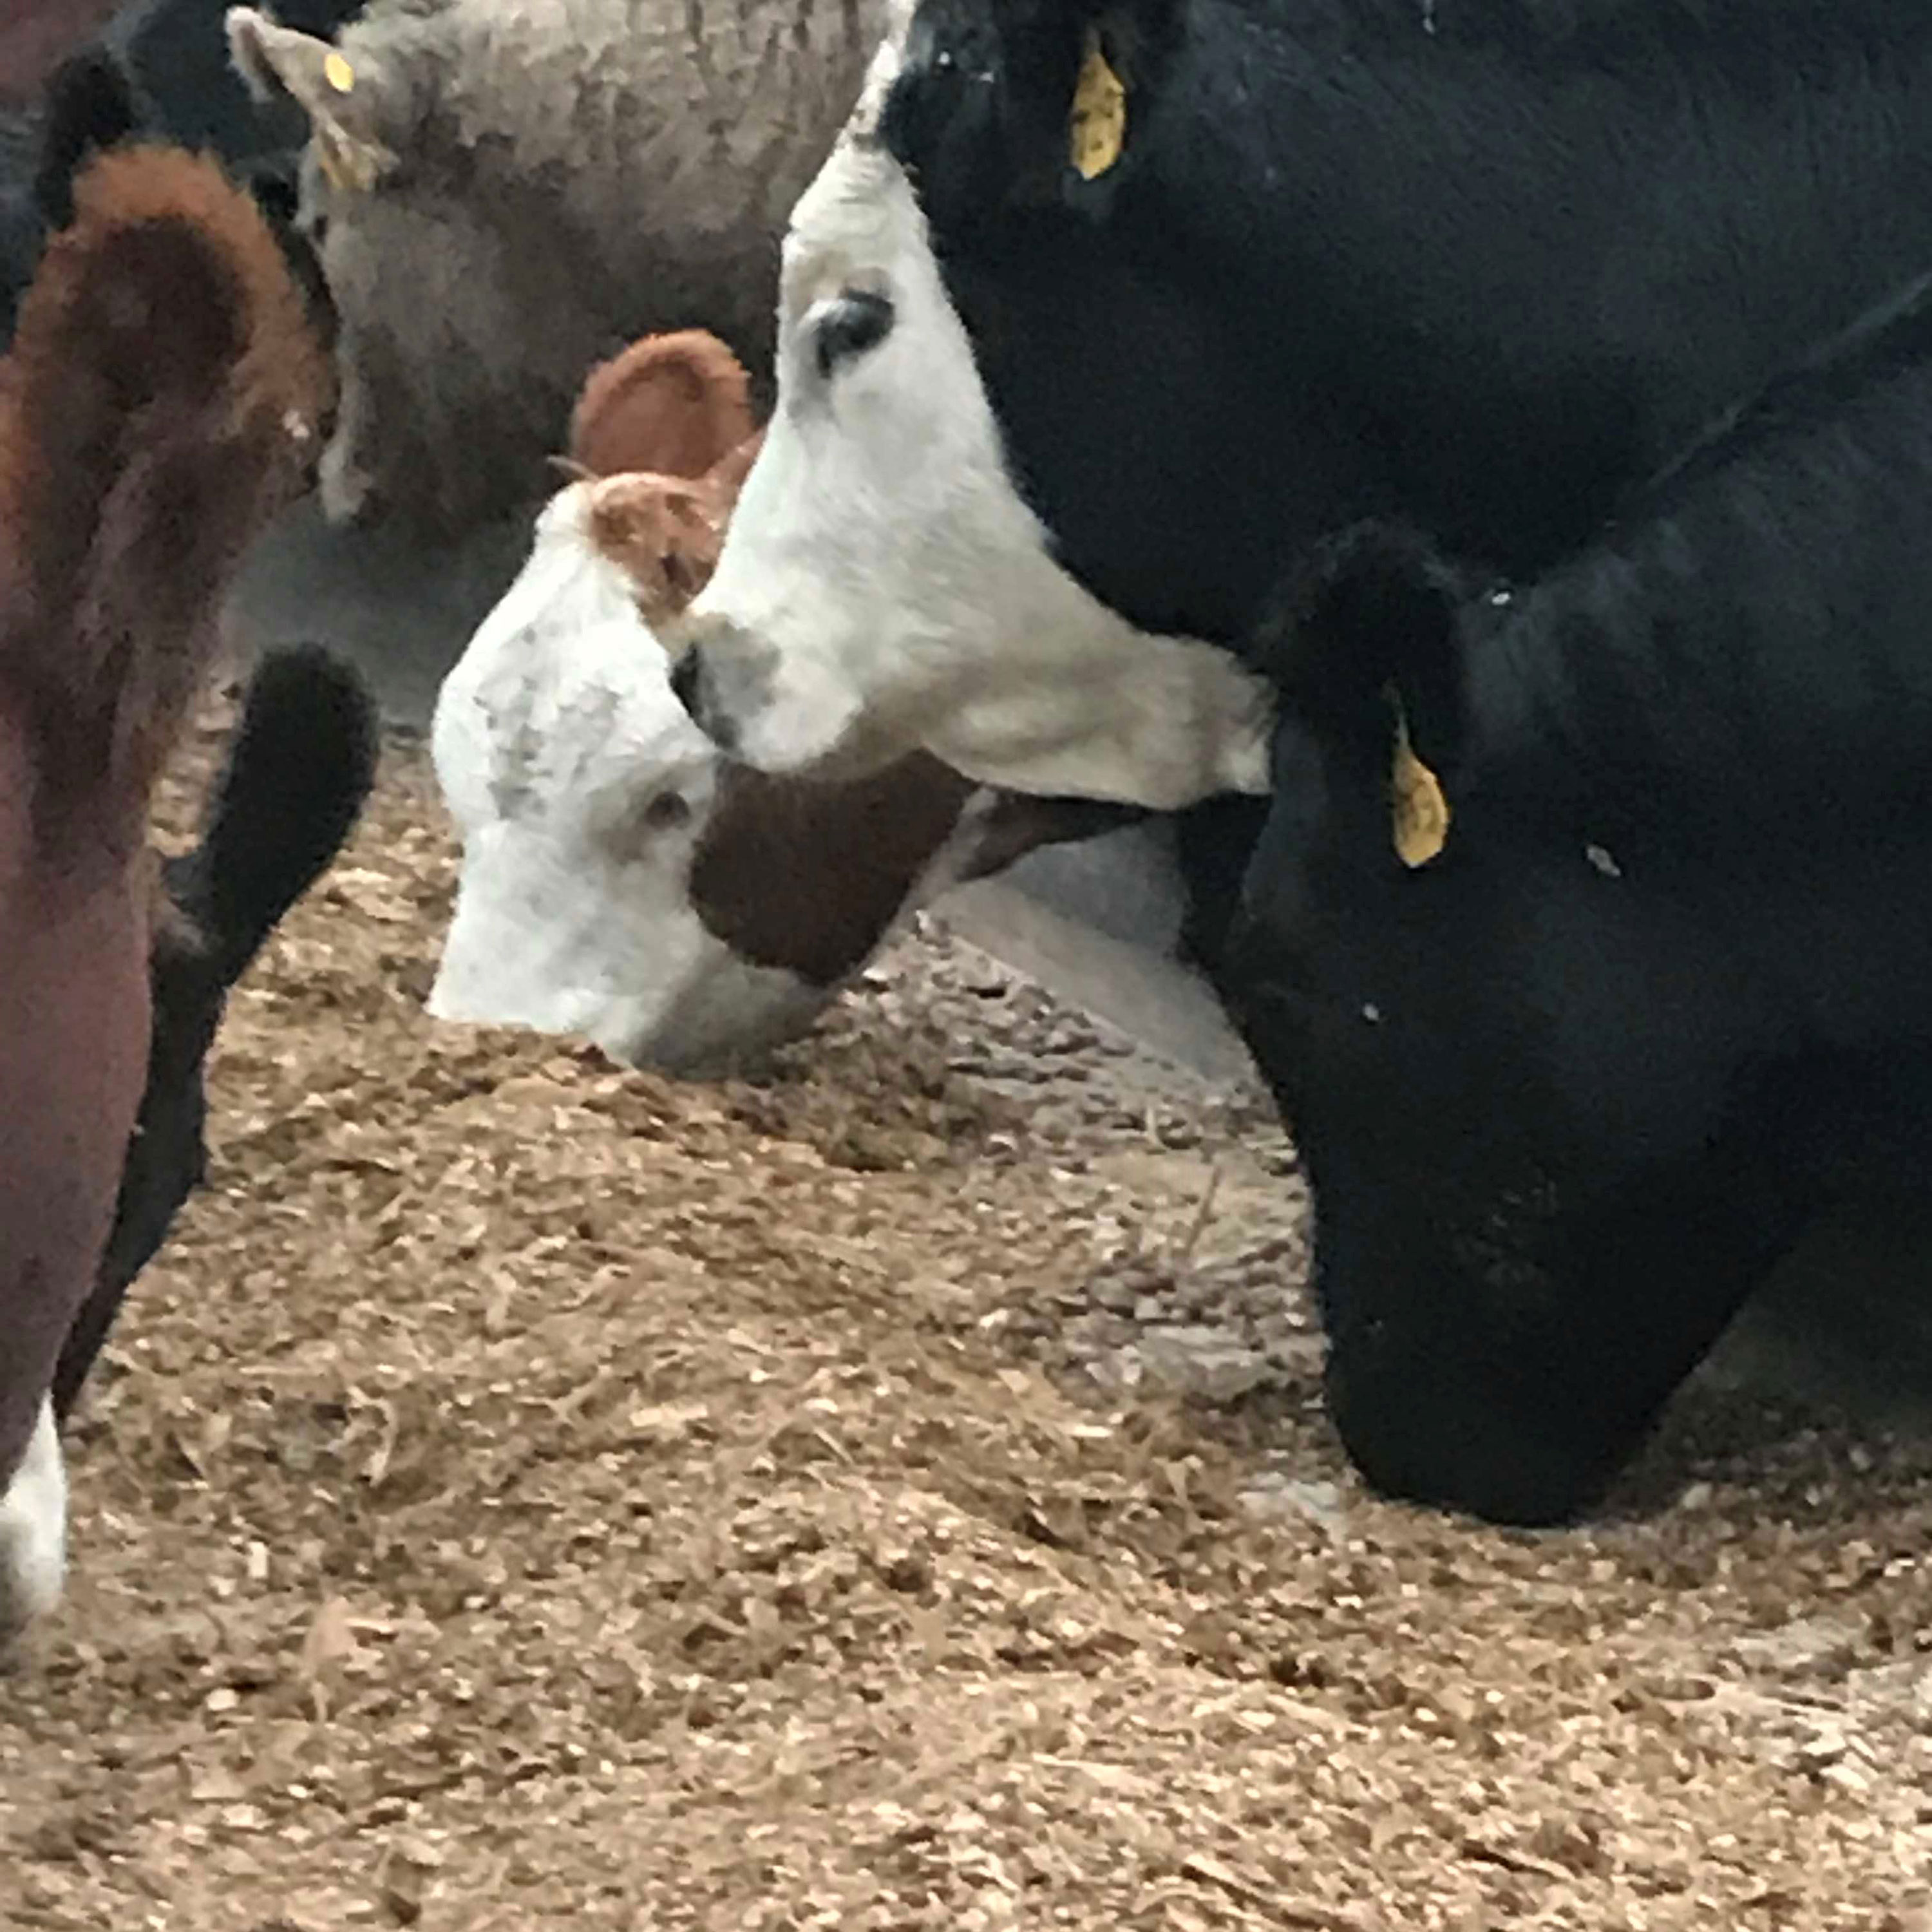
(852, 323)
(668, 810)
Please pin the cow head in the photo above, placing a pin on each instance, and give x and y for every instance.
(450, 374)
(887, 583)
(621, 878)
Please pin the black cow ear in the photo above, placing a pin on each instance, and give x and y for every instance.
(1364, 643)
(1374, 606)
(1101, 60)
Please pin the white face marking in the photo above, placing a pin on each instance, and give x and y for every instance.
(580, 788)
(33, 1530)
(883, 585)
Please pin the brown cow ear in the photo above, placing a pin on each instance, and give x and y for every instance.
(672, 404)
(349, 105)
(726, 477)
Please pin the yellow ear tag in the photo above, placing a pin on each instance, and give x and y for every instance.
(1421, 812)
(337, 72)
(1099, 126)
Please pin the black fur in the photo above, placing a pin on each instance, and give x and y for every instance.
(302, 765)
(90, 106)
(1477, 269)
(1482, 277)
(1567, 1093)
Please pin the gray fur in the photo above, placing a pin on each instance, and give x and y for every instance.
(548, 182)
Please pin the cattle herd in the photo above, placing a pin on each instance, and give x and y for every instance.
(1467, 462)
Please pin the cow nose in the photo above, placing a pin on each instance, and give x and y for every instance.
(693, 687)
(685, 675)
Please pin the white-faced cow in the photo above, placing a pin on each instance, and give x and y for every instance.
(621, 878)
(502, 195)
(1568, 1088)
(157, 406)
(1122, 306)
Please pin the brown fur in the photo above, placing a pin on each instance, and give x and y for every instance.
(666, 534)
(667, 424)
(161, 398)
(667, 531)
(679, 403)
(801, 875)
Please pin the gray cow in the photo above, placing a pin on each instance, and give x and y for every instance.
(502, 192)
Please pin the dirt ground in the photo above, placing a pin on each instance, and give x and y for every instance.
(892, 1493)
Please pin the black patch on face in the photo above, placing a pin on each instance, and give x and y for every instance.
(720, 688)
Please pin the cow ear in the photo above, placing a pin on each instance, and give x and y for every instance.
(348, 105)
(1124, 47)
(1366, 644)
(673, 403)
(1373, 609)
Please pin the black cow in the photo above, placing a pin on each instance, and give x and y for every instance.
(300, 766)
(1482, 266)
(1569, 1088)
(1479, 264)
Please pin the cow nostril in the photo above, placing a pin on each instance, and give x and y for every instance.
(693, 681)
(685, 675)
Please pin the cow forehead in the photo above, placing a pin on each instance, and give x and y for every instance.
(564, 693)
(859, 221)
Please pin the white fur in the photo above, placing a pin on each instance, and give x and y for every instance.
(33, 1530)
(881, 550)
(552, 736)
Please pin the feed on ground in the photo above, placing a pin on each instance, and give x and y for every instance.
(893, 1492)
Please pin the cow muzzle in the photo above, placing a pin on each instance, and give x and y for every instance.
(764, 708)
(694, 681)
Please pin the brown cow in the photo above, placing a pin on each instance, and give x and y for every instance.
(158, 404)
